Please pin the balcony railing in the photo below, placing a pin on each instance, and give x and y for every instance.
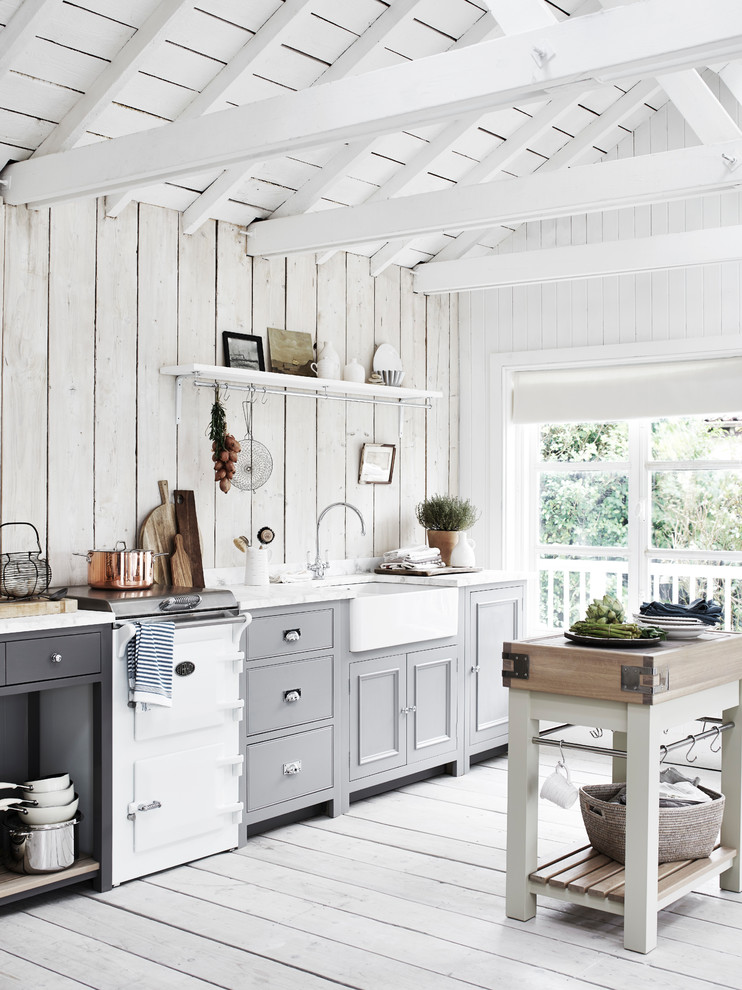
(568, 586)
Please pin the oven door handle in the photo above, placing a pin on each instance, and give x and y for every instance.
(124, 635)
(236, 707)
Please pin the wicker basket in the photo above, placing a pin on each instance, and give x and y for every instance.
(685, 833)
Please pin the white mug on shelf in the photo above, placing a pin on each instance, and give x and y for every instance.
(559, 789)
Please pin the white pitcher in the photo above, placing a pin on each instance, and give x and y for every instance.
(462, 554)
(256, 565)
(327, 364)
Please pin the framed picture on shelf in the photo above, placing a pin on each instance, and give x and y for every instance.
(291, 352)
(377, 464)
(242, 350)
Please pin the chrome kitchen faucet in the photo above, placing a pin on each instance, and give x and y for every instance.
(319, 566)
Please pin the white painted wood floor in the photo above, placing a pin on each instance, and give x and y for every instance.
(405, 892)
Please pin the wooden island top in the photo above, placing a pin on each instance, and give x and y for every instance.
(645, 675)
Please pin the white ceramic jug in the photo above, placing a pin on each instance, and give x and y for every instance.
(328, 361)
(462, 554)
(256, 565)
(354, 371)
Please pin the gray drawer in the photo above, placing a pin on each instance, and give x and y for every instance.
(31, 659)
(268, 780)
(306, 631)
(286, 694)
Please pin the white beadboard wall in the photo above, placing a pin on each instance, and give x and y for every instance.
(93, 307)
(618, 314)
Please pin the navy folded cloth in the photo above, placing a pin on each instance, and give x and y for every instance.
(707, 611)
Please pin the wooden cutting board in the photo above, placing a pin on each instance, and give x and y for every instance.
(187, 527)
(158, 534)
(180, 565)
(10, 609)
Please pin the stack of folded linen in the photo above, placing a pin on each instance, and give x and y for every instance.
(408, 558)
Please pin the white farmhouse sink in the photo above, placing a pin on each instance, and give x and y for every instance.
(384, 615)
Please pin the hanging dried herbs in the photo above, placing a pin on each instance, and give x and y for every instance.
(223, 445)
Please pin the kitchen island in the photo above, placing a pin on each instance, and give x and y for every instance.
(637, 694)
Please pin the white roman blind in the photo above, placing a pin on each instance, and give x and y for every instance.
(631, 391)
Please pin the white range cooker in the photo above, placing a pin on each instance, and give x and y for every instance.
(178, 790)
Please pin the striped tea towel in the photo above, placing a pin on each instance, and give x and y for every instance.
(149, 659)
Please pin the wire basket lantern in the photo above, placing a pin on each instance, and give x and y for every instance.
(23, 573)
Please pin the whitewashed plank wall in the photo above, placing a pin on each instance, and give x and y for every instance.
(93, 307)
(622, 311)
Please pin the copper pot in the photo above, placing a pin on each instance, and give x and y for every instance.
(120, 568)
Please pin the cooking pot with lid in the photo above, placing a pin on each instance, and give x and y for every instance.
(39, 848)
(120, 568)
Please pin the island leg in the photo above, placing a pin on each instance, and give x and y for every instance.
(522, 822)
(731, 788)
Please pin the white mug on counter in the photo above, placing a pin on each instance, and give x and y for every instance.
(256, 565)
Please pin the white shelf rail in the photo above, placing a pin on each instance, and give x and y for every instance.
(270, 383)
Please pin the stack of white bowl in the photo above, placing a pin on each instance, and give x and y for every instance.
(676, 626)
(48, 800)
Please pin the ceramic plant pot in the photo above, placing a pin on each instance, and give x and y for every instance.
(445, 540)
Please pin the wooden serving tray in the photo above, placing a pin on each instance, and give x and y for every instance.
(10, 608)
(427, 571)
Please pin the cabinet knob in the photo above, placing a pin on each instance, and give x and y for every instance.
(56, 658)
(475, 670)
(410, 708)
(290, 696)
(291, 768)
(292, 635)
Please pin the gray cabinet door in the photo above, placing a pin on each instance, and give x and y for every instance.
(432, 692)
(378, 725)
(495, 616)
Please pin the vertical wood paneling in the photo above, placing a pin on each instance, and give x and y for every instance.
(411, 459)
(359, 418)
(157, 346)
(331, 435)
(233, 312)
(162, 297)
(115, 380)
(196, 341)
(301, 416)
(72, 266)
(387, 331)
(269, 421)
(23, 495)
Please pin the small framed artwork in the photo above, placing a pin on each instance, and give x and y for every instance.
(291, 352)
(242, 350)
(377, 464)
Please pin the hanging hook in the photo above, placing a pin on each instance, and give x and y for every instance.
(596, 733)
(717, 740)
(664, 750)
(690, 750)
(264, 400)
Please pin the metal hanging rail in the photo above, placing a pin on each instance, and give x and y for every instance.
(267, 383)
(689, 741)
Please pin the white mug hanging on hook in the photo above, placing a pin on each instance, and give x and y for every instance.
(558, 787)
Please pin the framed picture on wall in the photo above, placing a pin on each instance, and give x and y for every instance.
(377, 464)
(242, 350)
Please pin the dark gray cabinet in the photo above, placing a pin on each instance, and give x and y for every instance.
(55, 716)
(492, 616)
(402, 713)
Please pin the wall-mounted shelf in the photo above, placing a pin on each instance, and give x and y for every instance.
(270, 383)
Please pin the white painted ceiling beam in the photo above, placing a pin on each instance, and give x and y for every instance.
(516, 16)
(731, 76)
(648, 38)
(496, 161)
(351, 61)
(543, 195)
(590, 136)
(644, 254)
(700, 108)
(256, 52)
(116, 74)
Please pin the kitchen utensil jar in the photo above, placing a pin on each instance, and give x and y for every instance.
(23, 573)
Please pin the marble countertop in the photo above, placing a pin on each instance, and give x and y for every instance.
(338, 588)
(58, 620)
